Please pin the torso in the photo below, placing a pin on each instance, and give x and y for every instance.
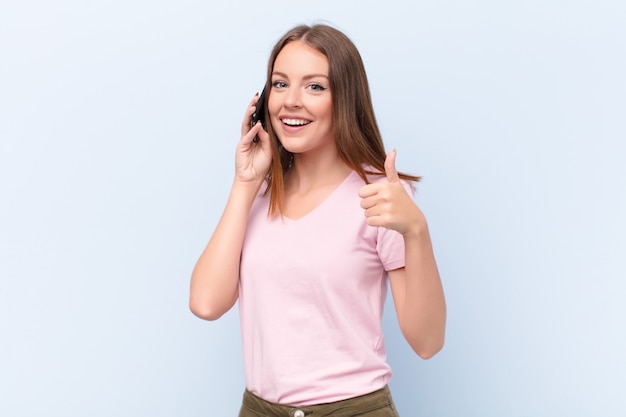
(311, 295)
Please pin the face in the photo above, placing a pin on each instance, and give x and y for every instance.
(300, 101)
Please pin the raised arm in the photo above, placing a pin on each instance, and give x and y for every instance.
(214, 281)
(417, 291)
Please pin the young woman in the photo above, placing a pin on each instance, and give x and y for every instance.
(318, 219)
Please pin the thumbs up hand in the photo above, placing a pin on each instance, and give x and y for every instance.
(387, 203)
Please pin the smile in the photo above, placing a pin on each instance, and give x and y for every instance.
(295, 122)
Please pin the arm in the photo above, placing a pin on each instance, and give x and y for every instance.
(417, 291)
(215, 278)
(418, 296)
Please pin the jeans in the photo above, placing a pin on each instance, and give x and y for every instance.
(377, 404)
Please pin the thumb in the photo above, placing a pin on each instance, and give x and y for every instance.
(390, 167)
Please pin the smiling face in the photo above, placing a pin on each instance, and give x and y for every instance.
(300, 102)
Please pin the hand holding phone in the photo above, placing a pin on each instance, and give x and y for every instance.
(259, 114)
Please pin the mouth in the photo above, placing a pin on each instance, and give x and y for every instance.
(295, 122)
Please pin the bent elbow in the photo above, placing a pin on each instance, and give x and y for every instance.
(206, 314)
(211, 305)
(204, 311)
(429, 351)
(425, 348)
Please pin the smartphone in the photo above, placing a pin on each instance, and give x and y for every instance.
(259, 114)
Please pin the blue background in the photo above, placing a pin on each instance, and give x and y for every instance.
(118, 121)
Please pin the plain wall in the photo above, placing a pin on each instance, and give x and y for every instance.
(118, 122)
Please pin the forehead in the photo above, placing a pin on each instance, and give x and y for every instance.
(298, 58)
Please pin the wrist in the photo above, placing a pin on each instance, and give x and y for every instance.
(248, 184)
(417, 231)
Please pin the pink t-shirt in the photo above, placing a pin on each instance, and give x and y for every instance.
(311, 298)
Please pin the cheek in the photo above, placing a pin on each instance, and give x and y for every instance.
(272, 105)
(325, 104)
(325, 109)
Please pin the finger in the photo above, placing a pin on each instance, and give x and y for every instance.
(264, 137)
(367, 203)
(247, 118)
(251, 133)
(368, 190)
(374, 211)
(390, 167)
(375, 221)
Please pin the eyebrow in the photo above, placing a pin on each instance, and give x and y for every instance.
(306, 77)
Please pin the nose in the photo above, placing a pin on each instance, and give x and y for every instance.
(293, 98)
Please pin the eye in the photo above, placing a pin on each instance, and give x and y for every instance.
(279, 84)
(317, 87)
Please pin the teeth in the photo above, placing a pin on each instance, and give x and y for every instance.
(295, 122)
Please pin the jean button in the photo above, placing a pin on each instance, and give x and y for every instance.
(298, 413)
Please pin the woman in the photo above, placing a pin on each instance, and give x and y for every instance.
(317, 220)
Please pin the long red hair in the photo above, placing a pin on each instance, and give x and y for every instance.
(357, 136)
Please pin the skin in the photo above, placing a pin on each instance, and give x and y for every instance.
(300, 91)
(301, 97)
(417, 291)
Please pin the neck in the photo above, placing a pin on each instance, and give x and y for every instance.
(309, 172)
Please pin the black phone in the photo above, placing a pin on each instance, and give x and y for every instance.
(259, 114)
